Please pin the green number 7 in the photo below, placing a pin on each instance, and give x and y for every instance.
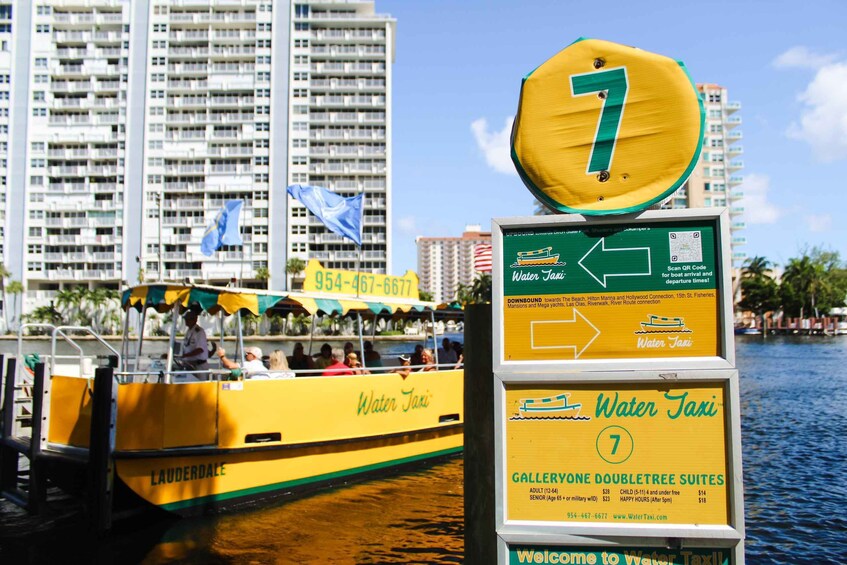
(613, 84)
(617, 439)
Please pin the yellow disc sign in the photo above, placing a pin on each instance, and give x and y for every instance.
(606, 129)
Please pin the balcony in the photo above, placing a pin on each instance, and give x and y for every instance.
(732, 122)
(736, 210)
(735, 180)
(735, 150)
(738, 225)
(732, 107)
(735, 165)
(739, 240)
(734, 136)
(736, 195)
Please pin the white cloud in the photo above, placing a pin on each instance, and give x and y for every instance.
(823, 120)
(801, 57)
(757, 209)
(407, 225)
(496, 145)
(819, 223)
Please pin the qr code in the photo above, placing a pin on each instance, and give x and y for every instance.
(686, 246)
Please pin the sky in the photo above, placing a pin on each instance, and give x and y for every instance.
(456, 83)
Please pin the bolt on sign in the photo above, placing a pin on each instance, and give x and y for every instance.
(603, 128)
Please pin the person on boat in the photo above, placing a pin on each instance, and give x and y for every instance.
(278, 365)
(352, 361)
(336, 368)
(428, 361)
(372, 356)
(325, 359)
(299, 361)
(446, 353)
(195, 347)
(405, 366)
(348, 349)
(253, 367)
(460, 353)
(417, 356)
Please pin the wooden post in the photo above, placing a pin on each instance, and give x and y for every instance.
(8, 456)
(100, 465)
(480, 527)
(37, 479)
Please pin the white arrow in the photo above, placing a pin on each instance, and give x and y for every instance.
(565, 334)
(602, 244)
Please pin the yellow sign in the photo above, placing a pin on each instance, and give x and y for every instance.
(604, 128)
(623, 453)
(351, 283)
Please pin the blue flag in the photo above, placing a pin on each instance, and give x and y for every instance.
(224, 229)
(340, 215)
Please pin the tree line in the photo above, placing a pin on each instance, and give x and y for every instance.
(810, 285)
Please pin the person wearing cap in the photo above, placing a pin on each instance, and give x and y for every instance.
(253, 367)
(404, 369)
(195, 348)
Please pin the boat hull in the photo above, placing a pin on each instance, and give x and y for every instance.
(189, 448)
(529, 262)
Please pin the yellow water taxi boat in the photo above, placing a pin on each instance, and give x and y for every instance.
(187, 447)
(543, 256)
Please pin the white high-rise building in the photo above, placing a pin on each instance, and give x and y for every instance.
(135, 120)
(446, 262)
(715, 181)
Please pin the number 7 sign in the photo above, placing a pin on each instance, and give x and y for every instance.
(603, 128)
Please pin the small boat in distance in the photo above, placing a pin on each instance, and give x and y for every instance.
(538, 257)
(662, 323)
(558, 403)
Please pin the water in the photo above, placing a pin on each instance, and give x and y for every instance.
(793, 398)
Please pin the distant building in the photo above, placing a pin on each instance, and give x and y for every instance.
(125, 126)
(446, 262)
(715, 181)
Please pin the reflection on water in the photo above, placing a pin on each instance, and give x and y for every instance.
(414, 518)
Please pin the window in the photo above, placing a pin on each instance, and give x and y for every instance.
(263, 26)
(36, 180)
(35, 232)
(301, 10)
(39, 96)
(41, 79)
(160, 44)
(300, 143)
(38, 146)
(263, 43)
(301, 43)
(154, 179)
(301, 59)
(156, 128)
(300, 160)
(5, 79)
(261, 143)
(263, 60)
(157, 111)
(263, 110)
(39, 112)
(263, 76)
(263, 126)
(298, 212)
(38, 163)
(300, 126)
(42, 28)
(260, 177)
(301, 110)
(301, 93)
(157, 77)
(41, 62)
(160, 27)
(156, 144)
(714, 97)
(263, 93)
(301, 26)
(261, 161)
(300, 177)
(159, 61)
(43, 10)
(157, 94)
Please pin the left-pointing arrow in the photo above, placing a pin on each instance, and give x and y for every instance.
(615, 262)
(575, 334)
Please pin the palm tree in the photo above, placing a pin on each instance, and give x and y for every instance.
(104, 307)
(425, 295)
(756, 267)
(294, 267)
(263, 275)
(4, 274)
(759, 291)
(15, 288)
(69, 302)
